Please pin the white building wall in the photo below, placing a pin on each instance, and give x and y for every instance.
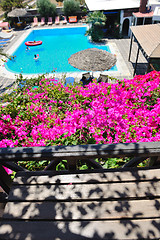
(122, 18)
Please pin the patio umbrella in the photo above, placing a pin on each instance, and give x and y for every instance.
(18, 12)
(92, 59)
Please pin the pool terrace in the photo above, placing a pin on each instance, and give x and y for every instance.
(120, 47)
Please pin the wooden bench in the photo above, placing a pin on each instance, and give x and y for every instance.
(93, 204)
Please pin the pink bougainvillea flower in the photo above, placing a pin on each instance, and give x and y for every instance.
(9, 171)
(126, 111)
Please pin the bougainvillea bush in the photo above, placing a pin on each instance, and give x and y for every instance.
(51, 114)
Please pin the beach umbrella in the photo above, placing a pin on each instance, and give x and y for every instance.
(92, 59)
(18, 12)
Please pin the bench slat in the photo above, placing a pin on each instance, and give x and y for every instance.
(75, 230)
(83, 210)
(122, 205)
(84, 191)
(105, 176)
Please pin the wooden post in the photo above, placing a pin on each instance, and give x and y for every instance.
(72, 164)
(136, 62)
(136, 21)
(130, 47)
(143, 20)
(5, 180)
(148, 65)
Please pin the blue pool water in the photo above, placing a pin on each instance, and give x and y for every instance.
(58, 45)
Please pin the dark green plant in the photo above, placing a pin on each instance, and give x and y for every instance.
(33, 165)
(84, 10)
(70, 7)
(46, 8)
(116, 31)
(95, 33)
(97, 20)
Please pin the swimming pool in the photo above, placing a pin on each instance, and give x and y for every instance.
(58, 45)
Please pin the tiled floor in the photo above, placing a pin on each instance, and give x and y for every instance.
(121, 47)
(124, 46)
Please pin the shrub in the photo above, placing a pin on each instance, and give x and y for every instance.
(97, 20)
(46, 8)
(70, 7)
(95, 33)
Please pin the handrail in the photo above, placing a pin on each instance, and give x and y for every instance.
(140, 149)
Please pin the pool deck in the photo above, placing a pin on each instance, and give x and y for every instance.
(120, 47)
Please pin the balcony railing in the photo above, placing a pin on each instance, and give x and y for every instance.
(138, 152)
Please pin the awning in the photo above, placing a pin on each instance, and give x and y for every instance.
(148, 36)
(148, 40)
(143, 15)
(95, 5)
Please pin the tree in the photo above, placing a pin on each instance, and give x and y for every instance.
(7, 5)
(97, 20)
(18, 3)
(81, 2)
(46, 8)
(70, 7)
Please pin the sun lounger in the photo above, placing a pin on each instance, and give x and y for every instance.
(42, 21)
(57, 20)
(64, 20)
(3, 43)
(103, 78)
(7, 31)
(86, 75)
(50, 21)
(69, 81)
(72, 19)
(27, 27)
(35, 22)
(6, 35)
(4, 40)
(86, 79)
(5, 26)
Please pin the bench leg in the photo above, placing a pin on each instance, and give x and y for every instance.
(5, 180)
